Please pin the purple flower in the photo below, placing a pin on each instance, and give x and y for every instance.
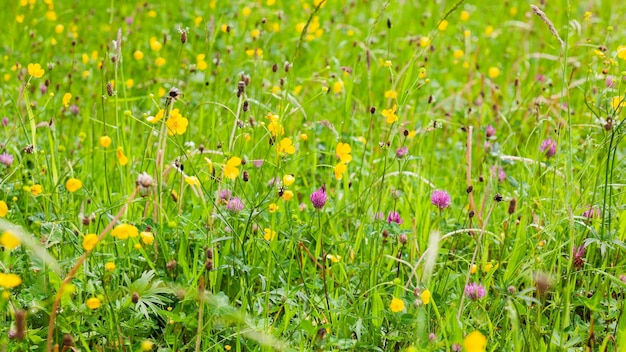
(475, 291)
(235, 205)
(490, 131)
(319, 197)
(43, 89)
(74, 109)
(592, 212)
(257, 163)
(609, 83)
(6, 159)
(548, 147)
(394, 216)
(225, 194)
(579, 257)
(379, 216)
(5, 121)
(500, 174)
(273, 181)
(440, 199)
(402, 152)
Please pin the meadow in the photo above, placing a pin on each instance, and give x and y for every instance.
(312, 175)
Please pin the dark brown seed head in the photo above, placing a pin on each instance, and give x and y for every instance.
(68, 340)
(512, 206)
(135, 297)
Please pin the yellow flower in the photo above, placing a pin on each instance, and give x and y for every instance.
(465, 16)
(130, 83)
(288, 180)
(200, 63)
(255, 52)
(488, 31)
(192, 180)
(388, 63)
(156, 118)
(138, 55)
(231, 170)
(4, 208)
(443, 25)
(9, 280)
(121, 158)
(147, 345)
(275, 128)
(621, 52)
(390, 114)
(337, 87)
(396, 305)
(197, 21)
(67, 97)
(424, 41)
(90, 241)
(273, 208)
(36, 189)
(425, 296)
(155, 45)
(35, 70)
(93, 303)
(105, 141)
(147, 237)
(475, 342)
(304, 137)
(339, 170)
(246, 11)
(123, 231)
(617, 103)
(9, 240)
(159, 61)
(269, 234)
(343, 150)
(488, 267)
(391, 94)
(494, 72)
(286, 146)
(334, 258)
(73, 185)
(287, 195)
(255, 33)
(109, 266)
(176, 123)
(457, 54)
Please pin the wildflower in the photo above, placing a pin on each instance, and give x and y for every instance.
(387, 63)
(618, 102)
(147, 345)
(160, 61)
(4, 208)
(138, 55)
(286, 146)
(401, 152)
(440, 199)
(157, 117)
(6, 159)
(287, 195)
(155, 45)
(192, 181)
(36, 190)
(288, 180)
(9, 280)
(319, 198)
(394, 216)
(67, 97)
(465, 16)
(235, 205)
(592, 212)
(334, 258)
(442, 25)
(73, 185)
(269, 234)
(35, 70)
(121, 158)
(273, 207)
(390, 114)
(425, 296)
(339, 170)
(9, 240)
(343, 150)
(490, 131)
(147, 237)
(124, 231)
(548, 147)
(475, 342)
(499, 173)
(90, 241)
(391, 94)
(176, 123)
(396, 305)
(93, 303)
(579, 256)
(493, 72)
(475, 291)
(230, 169)
(457, 54)
(109, 266)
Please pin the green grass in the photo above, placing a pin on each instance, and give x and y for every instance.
(254, 78)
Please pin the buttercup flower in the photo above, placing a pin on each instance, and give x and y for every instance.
(105, 141)
(176, 123)
(425, 296)
(440, 199)
(124, 231)
(90, 241)
(36, 190)
(121, 157)
(343, 151)
(73, 184)
(93, 303)
(10, 280)
(230, 169)
(339, 170)
(390, 114)
(319, 197)
(9, 240)
(35, 70)
(286, 146)
(268, 234)
(4, 208)
(475, 342)
(67, 97)
(396, 305)
(147, 237)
